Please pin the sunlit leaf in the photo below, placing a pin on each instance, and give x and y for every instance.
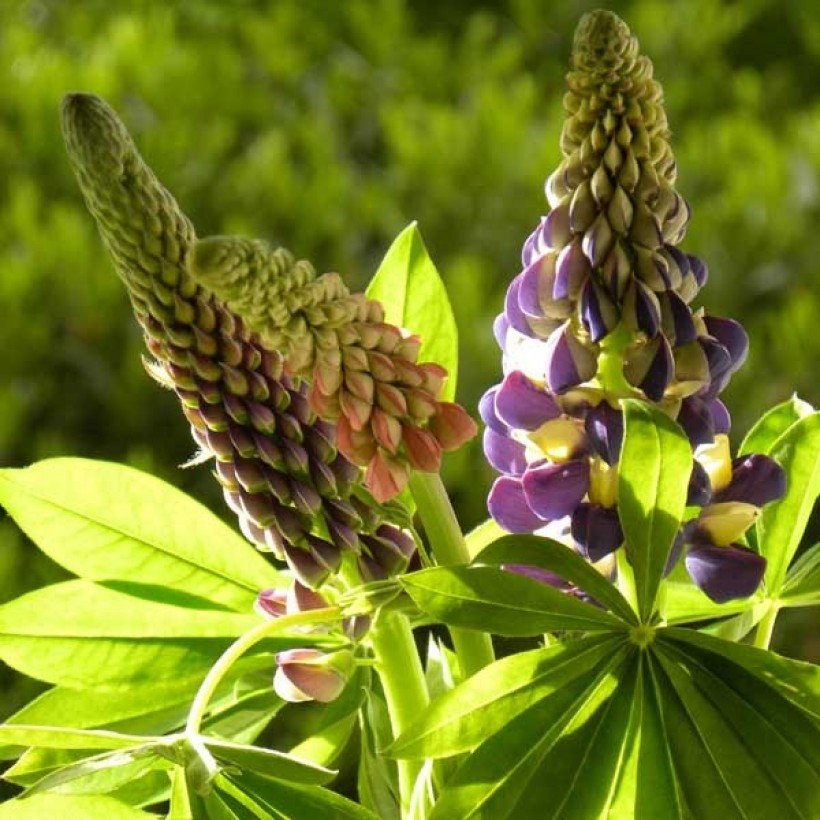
(492, 600)
(410, 288)
(483, 704)
(653, 476)
(105, 521)
(561, 560)
(88, 807)
(782, 523)
(802, 584)
(772, 424)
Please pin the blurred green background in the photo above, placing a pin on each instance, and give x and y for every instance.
(328, 126)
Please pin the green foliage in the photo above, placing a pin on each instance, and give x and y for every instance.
(653, 474)
(409, 286)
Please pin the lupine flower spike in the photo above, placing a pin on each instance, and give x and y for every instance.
(363, 372)
(601, 311)
(280, 467)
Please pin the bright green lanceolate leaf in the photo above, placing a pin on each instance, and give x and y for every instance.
(772, 424)
(685, 603)
(84, 635)
(802, 584)
(482, 536)
(483, 704)
(268, 762)
(105, 521)
(557, 558)
(288, 801)
(52, 737)
(782, 523)
(377, 777)
(653, 476)
(492, 600)
(414, 297)
(87, 807)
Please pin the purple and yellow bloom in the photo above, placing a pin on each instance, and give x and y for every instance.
(602, 311)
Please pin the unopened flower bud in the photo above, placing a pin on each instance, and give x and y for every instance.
(309, 674)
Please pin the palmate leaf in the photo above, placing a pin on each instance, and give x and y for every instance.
(410, 288)
(653, 476)
(673, 730)
(105, 521)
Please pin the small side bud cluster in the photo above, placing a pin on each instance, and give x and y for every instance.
(304, 674)
(600, 312)
(363, 372)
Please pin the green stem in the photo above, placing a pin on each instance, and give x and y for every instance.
(765, 628)
(238, 648)
(474, 649)
(405, 690)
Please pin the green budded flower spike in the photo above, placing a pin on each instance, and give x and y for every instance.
(279, 465)
(363, 372)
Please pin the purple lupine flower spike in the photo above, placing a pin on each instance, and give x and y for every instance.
(603, 275)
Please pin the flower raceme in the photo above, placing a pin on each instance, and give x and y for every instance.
(287, 451)
(600, 312)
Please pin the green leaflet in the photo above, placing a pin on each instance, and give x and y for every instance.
(492, 600)
(84, 635)
(684, 603)
(782, 523)
(106, 521)
(414, 297)
(269, 762)
(51, 737)
(87, 807)
(268, 798)
(653, 475)
(563, 561)
(676, 730)
(772, 424)
(802, 584)
(483, 704)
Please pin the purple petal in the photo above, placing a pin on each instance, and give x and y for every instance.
(271, 602)
(301, 599)
(683, 324)
(555, 490)
(732, 336)
(568, 363)
(721, 419)
(505, 454)
(598, 313)
(509, 508)
(725, 573)
(720, 365)
(571, 270)
(596, 530)
(500, 328)
(512, 310)
(531, 290)
(696, 420)
(647, 317)
(519, 403)
(605, 429)
(533, 246)
(699, 492)
(660, 372)
(699, 270)
(756, 479)
(487, 411)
